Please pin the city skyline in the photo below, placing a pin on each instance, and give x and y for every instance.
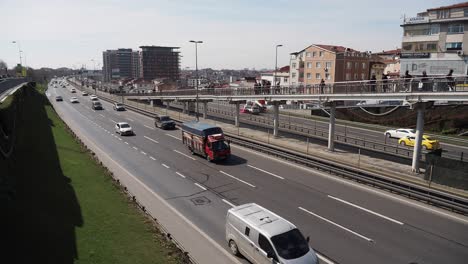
(236, 34)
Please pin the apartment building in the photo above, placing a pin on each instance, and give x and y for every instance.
(330, 63)
(120, 64)
(160, 63)
(391, 58)
(436, 41)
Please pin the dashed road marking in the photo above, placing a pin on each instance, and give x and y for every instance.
(267, 172)
(144, 153)
(180, 174)
(173, 136)
(135, 148)
(201, 186)
(165, 165)
(229, 175)
(192, 158)
(337, 225)
(149, 127)
(151, 157)
(126, 142)
(226, 201)
(155, 141)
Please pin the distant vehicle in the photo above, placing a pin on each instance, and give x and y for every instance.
(73, 90)
(74, 100)
(250, 108)
(164, 122)
(206, 140)
(428, 143)
(399, 133)
(123, 129)
(262, 236)
(58, 98)
(84, 93)
(94, 98)
(119, 107)
(96, 105)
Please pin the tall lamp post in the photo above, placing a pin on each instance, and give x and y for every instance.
(276, 65)
(19, 50)
(196, 72)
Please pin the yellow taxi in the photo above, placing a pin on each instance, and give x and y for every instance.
(428, 142)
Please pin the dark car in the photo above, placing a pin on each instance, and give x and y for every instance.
(164, 122)
(96, 105)
(58, 98)
(119, 107)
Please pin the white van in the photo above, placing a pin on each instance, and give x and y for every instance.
(263, 237)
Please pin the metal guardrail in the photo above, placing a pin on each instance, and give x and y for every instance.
(428, 195)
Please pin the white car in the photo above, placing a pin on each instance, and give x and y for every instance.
(123, 128)
(74, 100)
(73, 90)
(84, 93)
(400, 133)
(94, 98)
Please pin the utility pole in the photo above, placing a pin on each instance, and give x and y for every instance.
(276, 66)
(196, 73)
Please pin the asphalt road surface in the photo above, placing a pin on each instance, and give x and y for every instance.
(347, 222)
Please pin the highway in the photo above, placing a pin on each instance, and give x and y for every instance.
(371, 135)
(346, 222)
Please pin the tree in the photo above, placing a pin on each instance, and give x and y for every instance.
(3, 67)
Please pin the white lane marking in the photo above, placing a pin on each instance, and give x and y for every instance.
(267, 172)
(113, 121)
(155, 141)
(229, 175)
(165, 203)
(102, 115)
(226, 201)
(324, 258)
(201, 186)
(366, 210)
(180, 174)
(144, 153)
(149, 127)
(165, 165)
(126, 142)
(130, 119)
(173, 136)
(359, 186)
(135, 148)
(151, 157)
(335, 224)
(192, 158)
(119, 139)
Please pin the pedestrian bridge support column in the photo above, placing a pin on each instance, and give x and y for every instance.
(237, 111)
(168, 105)
(275, 118)
(420, 108)
(205, 109)
(331, 127)
(151, 102)
(184, 108)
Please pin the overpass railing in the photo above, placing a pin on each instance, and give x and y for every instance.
(402, 85)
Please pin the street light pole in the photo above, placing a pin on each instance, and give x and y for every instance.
(196, 72)
(19, 51)
(276, 65)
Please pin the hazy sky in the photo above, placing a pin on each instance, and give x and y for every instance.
(236, 33)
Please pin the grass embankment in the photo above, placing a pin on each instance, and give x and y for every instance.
(66, 207)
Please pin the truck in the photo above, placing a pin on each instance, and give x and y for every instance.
(205, 140)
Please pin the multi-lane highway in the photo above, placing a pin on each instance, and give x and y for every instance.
(346, 222)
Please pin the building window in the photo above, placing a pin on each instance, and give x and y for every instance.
(293, 75)
(294, 65)
(348, 76)
(328, 64)
(318, 65)
(317, 76)
(309, 75)
(465, 12)
(356, 65)
(309, 65)
(285, 80)
(455, 29)
(453, 45)
(414, 67)
(363, 76)
(419, 46)
(431, 47)
(314, 54)
(435, 29)
(308, 54)
(349, 65)
(364, 65)
(327, 76)
(355, 76)
(441, 14)
(293, 57)
(321, 53)
(407, 47)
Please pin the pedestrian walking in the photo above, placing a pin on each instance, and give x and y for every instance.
(407, 80)
(384, 82)
(322, 85)
(450, 81)
(372, 83)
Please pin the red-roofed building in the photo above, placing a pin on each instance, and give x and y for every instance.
(328, 62)
(391, 58)
(436, 41)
